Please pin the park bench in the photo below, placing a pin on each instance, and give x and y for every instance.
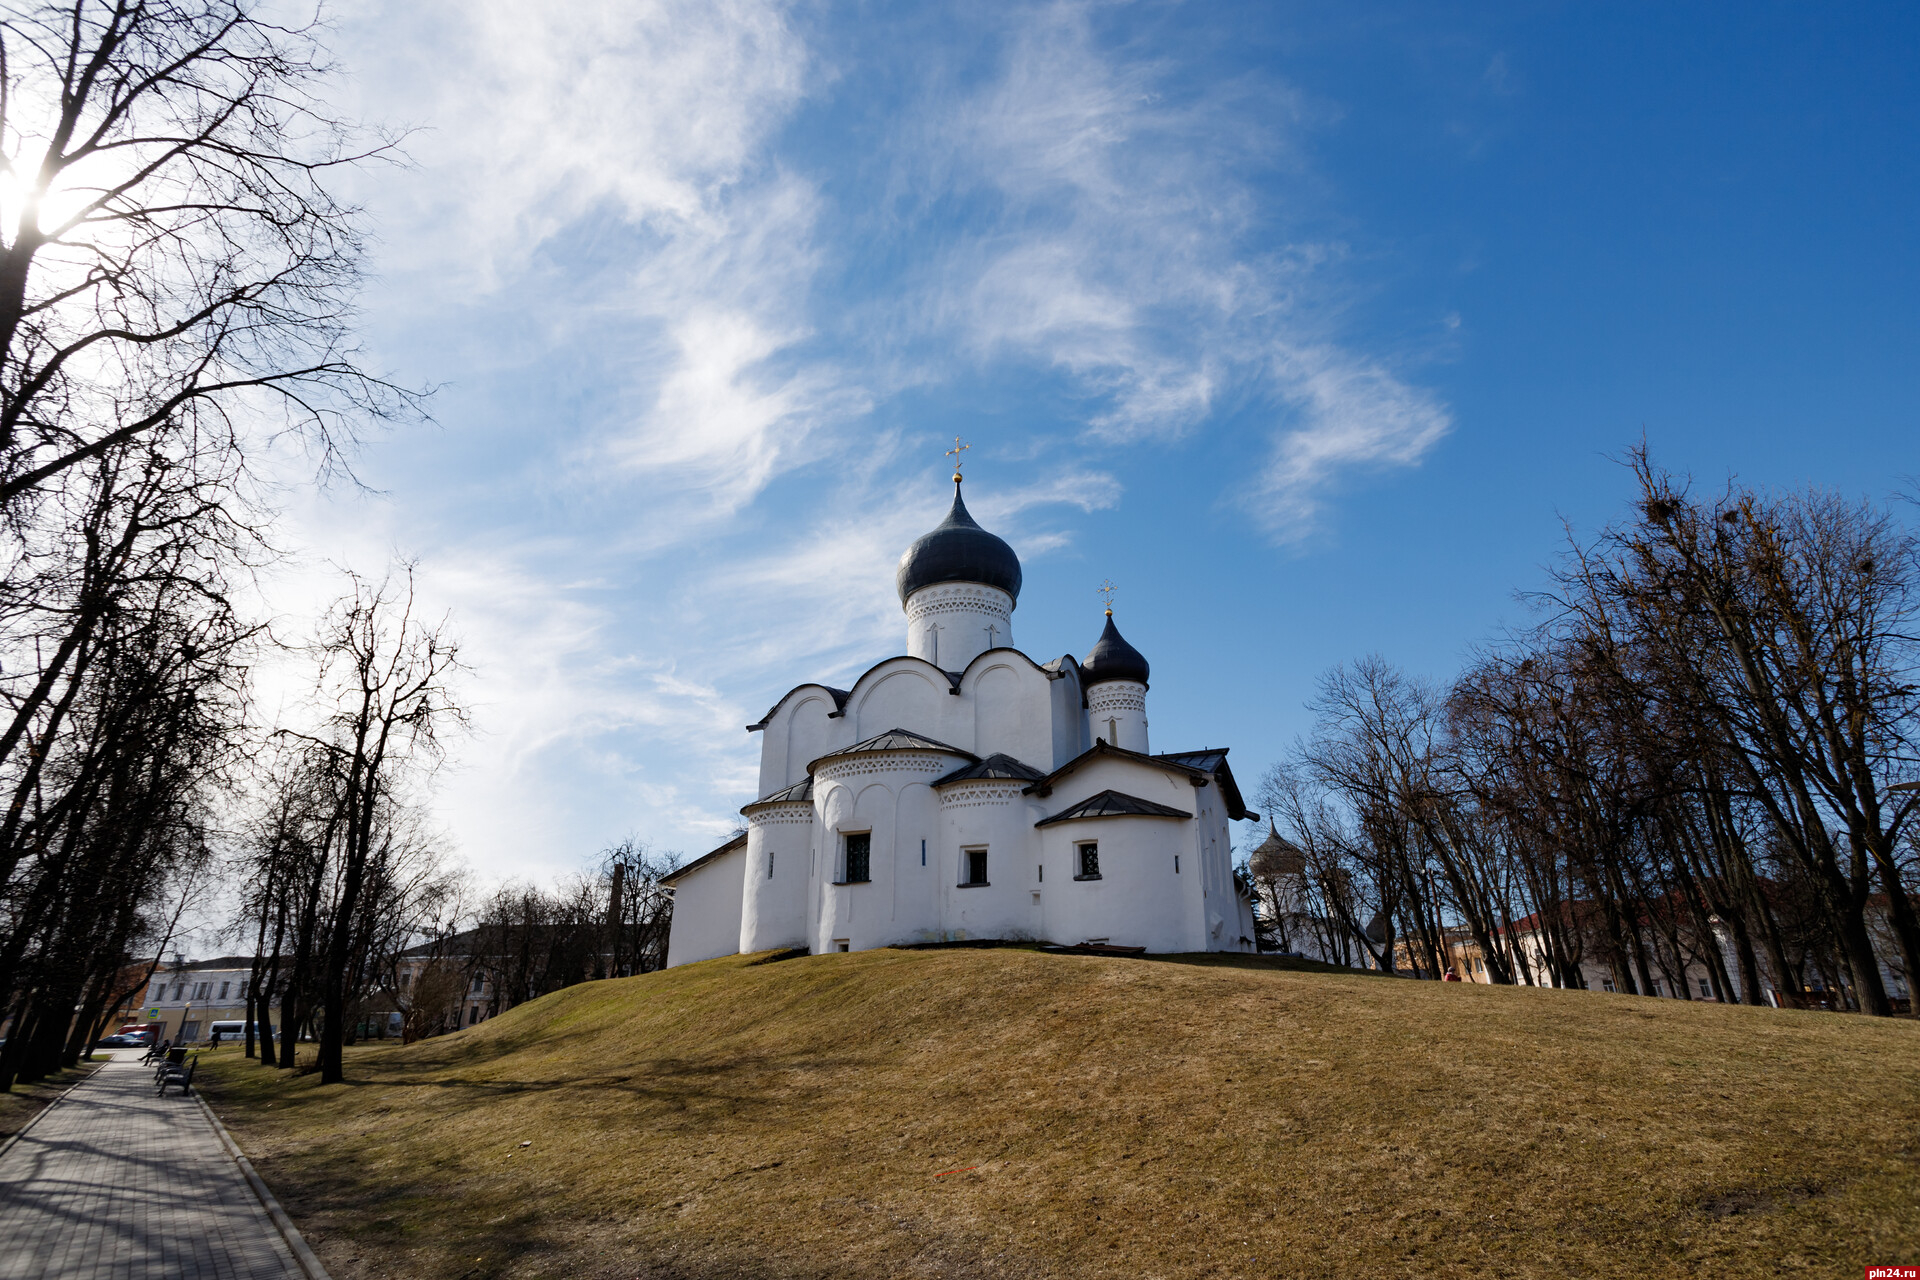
(174, 1075)
(173, 1061)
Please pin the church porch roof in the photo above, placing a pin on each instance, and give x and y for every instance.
(799, 792)
(1213, 760)
(892, 740)
(1200, 767)
(1113, 804)
(998, 765)
(738, 842)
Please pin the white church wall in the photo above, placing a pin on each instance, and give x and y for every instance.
(1227, 916)
(1177, 920)
(801, 728)
(951, 623)
(915, 899)
(1138, 899)
(1117, 713)
(904, 694)
(1129, 777)
(706, 910)
(778, 867)
(862, 793)
(989, 814)
(811, 732)
(1008, 700)
(1070, 737)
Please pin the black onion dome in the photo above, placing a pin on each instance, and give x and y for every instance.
(958, 551)
(1112, 658)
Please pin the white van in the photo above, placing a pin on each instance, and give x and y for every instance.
(236, 1031)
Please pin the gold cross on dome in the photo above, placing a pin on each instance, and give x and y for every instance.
(1105, 590)
(955, 453)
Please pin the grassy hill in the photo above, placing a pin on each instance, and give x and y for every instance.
(1011, 1113)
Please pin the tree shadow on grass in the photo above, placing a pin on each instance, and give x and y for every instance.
(1241, 960)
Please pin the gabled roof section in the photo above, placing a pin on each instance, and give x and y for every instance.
(1199, 767)
(998, 765)
(1213, 761)
(738, 842)
(893, 740)
(799, 792)
(1113, 804)
(840, 697)
(1101, 748)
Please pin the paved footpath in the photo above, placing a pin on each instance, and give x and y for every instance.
(112, 1182)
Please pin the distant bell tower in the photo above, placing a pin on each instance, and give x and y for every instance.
(958, 585)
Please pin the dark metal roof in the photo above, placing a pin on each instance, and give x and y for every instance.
(893, 740)
(1199, 766)
(1112, 658)
(998, 765)
(1101, 747)
(958, 550)
(1213, 761)
(798, 792)
(738, 842)
(1114, 804)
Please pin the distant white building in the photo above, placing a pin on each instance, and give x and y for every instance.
(965, 791)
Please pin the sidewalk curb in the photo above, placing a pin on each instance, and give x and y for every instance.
(295, 1243)
(38, 1115)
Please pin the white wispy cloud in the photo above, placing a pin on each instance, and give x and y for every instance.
(611, 189)
(1118, 251)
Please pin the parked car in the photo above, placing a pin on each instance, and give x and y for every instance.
(124, 1040)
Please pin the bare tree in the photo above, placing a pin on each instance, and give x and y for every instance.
(384, 682)
(174, 260)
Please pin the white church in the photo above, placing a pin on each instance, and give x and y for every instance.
(963, 791)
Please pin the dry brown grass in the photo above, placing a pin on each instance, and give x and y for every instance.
(1109, 1117)
(19, 1105)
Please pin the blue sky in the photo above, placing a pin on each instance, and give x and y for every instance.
(1308, 329)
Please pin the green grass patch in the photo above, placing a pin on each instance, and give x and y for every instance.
(1010, 1113)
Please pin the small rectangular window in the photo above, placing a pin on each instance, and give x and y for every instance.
(223, 989)
(859, 857)
(841, 944)
(1706, 989)
(1089, 859)
(976, 866)
(769, 864)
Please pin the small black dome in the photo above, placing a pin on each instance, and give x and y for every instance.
(958, 551)
(1112, 658)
